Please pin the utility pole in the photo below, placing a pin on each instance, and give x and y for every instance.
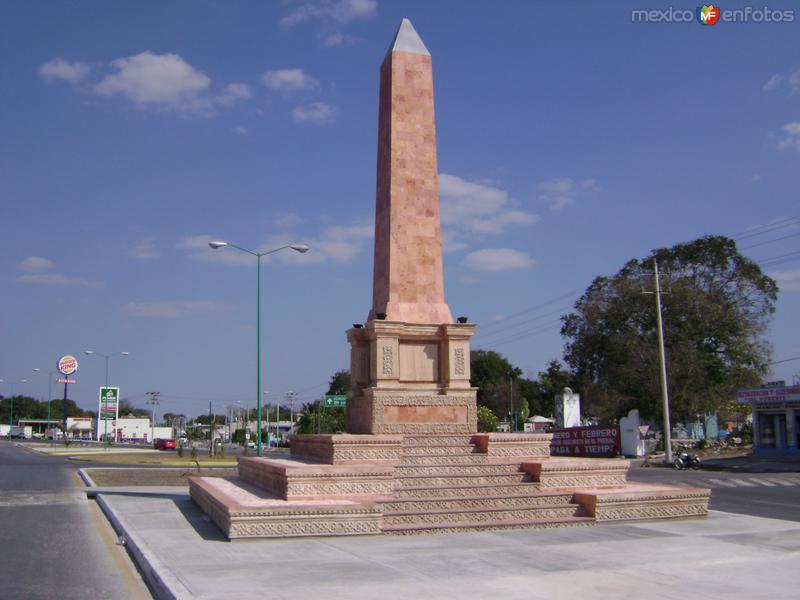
(153, 401)
(663, 361)
(511, 418)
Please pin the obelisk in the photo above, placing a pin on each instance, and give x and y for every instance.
(409, 361)
(408, 281)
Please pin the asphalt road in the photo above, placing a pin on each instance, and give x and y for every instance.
(55, 542)
(771, 495)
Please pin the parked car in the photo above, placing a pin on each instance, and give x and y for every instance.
(161, 444)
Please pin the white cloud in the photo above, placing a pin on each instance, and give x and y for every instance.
(288, 220)
(478, 207)
(790, 139)
(451, 243)
(791, 81)
(174, 309)
(149, 78)
(787, 280)
(54, 279)
(339, 11)
(58, 68)
(560, 193)
(336, 243)
(337, 39)
(33, 264)
(773, 83)
(755, 178)
(317, 112)
(288, 80)
(497, 259)
(241, 130)
(233, 93)
(145, 249)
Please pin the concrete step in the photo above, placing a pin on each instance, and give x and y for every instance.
(441, 450)
(577, 473)
(444, 459)
(491, 515)
(436, 440)
(475, 502)
(450, 481)
(466, 491)
(478, 526)
(470, 469)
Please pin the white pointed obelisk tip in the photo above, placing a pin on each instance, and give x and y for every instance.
(407, 40)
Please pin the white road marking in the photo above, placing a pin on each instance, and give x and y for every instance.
(722, 482)
(763, 482)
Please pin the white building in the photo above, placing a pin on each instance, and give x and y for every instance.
(139, 429)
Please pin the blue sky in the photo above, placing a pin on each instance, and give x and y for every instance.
(570, 140)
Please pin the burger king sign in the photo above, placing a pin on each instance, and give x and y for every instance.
(67, 364)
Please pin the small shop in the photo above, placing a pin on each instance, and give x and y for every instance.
(776, 418)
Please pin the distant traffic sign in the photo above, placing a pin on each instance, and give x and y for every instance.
(332, 401)
(66, 380)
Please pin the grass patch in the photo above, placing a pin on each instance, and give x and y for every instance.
(149, 477)
(162, 460)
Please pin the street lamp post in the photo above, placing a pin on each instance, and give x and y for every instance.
(11, 409)
(214, 245)
(105, 421)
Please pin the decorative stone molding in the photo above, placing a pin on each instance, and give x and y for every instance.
(459, 362)
(387, 361)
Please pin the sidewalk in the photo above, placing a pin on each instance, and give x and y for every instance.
(183, 555)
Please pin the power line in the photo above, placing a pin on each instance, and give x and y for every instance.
(533, 308)
(785, 237)
(530, 333)
(518, 325)
(769, 227)
(785, 360)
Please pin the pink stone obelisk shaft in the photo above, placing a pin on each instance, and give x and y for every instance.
(408, 280)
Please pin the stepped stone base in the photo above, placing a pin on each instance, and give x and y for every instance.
(242, 510)
(411, 484)
(642, 502)
(298, 480)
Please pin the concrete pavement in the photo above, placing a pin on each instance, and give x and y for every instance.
(724, 556)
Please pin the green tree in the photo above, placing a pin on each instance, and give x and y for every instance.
(339, 383)
(128, 409)
(490, 373)
(715, 316)
(330, 420)
(487, 420)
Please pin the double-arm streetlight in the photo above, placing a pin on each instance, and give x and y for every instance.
(11, 411)
(105, 421)
(215, 245)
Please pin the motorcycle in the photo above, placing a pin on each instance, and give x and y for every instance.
(686, 460)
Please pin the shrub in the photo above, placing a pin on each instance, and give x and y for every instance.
(487, 420)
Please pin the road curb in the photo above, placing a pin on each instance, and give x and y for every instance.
(87, 479)
(163, 583)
